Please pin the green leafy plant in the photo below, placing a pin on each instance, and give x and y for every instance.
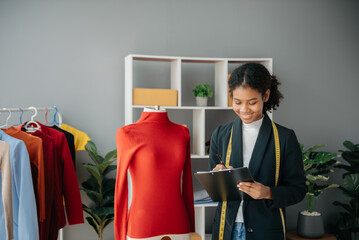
(351, 156)
(202, 90)
(100, 189)
(317, 166)
(348, 222)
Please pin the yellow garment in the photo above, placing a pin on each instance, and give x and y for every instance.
(80, 137)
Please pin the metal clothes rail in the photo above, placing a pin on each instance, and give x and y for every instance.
(35, 110)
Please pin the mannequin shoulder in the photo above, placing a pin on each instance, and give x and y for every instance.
(126, 130)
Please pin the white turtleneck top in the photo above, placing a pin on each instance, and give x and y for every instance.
(249, 137)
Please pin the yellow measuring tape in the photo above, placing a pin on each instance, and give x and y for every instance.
(277, 157)
(224, 203)
(277, 165)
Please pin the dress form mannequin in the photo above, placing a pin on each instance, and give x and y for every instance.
(157, 153)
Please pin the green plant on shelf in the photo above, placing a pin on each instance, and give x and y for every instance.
(202, 90)
(100, 189)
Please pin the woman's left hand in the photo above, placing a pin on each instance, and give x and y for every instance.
(256, 190)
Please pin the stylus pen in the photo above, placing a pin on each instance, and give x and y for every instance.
(221, 159)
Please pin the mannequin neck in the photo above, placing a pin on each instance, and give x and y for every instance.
(154, 109)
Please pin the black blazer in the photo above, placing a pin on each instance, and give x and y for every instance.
(262, 219)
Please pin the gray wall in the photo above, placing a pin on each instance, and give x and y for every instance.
(71, 54)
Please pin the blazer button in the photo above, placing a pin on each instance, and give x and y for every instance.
(250, 230)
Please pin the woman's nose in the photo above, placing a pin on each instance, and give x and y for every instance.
(244, 108)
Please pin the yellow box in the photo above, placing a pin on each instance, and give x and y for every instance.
(230, 99)
(155, 97)
(195, 236)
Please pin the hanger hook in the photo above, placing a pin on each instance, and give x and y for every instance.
(20, 120)
(47, 111)
(7, 120)
(55, 122)
(22, 112)
(34, 115)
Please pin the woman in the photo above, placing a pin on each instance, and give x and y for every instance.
(279, 176)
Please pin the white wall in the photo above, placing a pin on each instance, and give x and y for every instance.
(71, 54)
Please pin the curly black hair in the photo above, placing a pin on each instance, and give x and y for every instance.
(256, 76)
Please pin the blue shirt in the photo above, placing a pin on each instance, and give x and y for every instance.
(23, 197)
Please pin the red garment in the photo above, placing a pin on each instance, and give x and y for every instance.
(65, 186)
(157, 153)
(49, 160)
(67, 182)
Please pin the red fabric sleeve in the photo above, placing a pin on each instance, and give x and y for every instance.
(70, 187)
(121, 190)
(187, 187)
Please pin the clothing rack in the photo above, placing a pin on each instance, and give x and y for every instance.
(36, 110)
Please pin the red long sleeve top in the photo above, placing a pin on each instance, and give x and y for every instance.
(67, 184)
(156, 151)
(48, 227)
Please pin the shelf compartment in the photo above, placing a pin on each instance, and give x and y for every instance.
(194, 73)
(200, 217)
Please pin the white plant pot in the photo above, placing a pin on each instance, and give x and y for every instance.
(201, 101)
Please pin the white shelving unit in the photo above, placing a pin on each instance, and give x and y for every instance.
(221, 70)
(199, 113)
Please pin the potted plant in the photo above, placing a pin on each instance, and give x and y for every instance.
(317, 166)
(100, 189)
(347, 226)
(202, 92)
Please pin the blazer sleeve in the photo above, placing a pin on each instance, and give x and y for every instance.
(121, 190)
(187, 187)
(291, 187)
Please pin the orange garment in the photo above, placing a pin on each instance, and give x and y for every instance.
(35, 150)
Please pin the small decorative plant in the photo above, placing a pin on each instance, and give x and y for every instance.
(347, 225)
(202, 90)
(100, 189)
(317, 166)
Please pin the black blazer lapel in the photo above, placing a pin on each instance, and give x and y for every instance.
(260, 146)
(237, 154)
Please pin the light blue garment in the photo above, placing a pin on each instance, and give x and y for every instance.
(239, 231)
(23, 198)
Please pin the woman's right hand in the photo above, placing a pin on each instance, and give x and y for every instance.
(220, 167)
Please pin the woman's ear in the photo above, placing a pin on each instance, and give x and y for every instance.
(266, 96)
